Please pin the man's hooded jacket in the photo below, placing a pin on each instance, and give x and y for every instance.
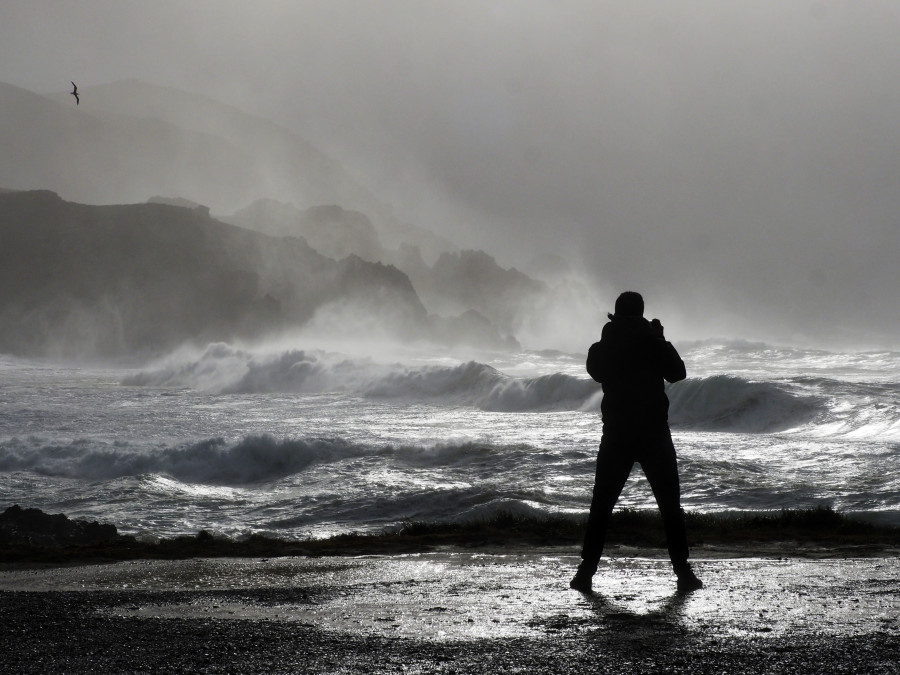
(632, 361)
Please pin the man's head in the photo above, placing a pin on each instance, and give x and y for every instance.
(630, 303)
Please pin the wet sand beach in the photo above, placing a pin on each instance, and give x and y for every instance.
(453, 611)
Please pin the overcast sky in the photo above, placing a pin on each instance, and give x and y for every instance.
(738, 160)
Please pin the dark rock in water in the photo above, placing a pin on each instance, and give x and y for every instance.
(33, 527)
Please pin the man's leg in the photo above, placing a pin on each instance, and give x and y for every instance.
(614, 462)
(658, 461)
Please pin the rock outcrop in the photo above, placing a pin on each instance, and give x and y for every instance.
(33, 527)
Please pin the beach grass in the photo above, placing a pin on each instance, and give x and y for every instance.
(793, 530)
(821, 526)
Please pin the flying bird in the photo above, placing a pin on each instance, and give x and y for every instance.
(74, 93)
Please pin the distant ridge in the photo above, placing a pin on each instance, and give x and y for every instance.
(176, 201)
(134, 140)
(102, 160)
(279, 164)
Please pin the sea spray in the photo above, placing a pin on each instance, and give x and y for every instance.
(719, 402)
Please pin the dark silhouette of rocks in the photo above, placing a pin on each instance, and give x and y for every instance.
(82, 280)
(469, 286)
(476, 301)
(179, 201)
(33, 527)
(331, 230)
(472, 280)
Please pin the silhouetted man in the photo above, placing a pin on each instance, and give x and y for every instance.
(631, 361)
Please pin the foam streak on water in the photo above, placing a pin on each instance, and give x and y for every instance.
(300, 442)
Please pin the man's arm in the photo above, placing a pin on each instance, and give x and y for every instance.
(595, 362)
(669, 360)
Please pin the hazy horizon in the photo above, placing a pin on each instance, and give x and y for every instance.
(736, 164)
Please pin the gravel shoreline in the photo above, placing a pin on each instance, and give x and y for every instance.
(485, 613)
(71, 633)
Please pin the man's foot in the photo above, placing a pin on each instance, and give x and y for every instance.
(687, 580)
(582, 581)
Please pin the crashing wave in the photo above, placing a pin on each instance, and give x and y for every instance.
(214, 461)
(248, 461)
(728, 403)
(229, 370)
(718, 402)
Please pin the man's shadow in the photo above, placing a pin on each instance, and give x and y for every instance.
(618, 617)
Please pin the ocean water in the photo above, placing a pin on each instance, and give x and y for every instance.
(297, 440)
